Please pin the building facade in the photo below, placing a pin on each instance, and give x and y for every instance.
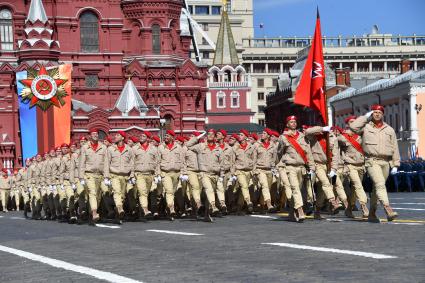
(107, 43)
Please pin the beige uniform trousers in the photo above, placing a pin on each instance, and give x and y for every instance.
(265, 179)
(170, 180)
(244, 178)
(339, 187)
(295, 176)
(378, 171)
(209, 183)
(119, 187)
(16, 193)
(68, 203)
(93, 183)
(143, 186)
(4, 196)
(25, 194)
(193, 187)
(325, 184)
(286, 193)
(355, 174)
(222, 188)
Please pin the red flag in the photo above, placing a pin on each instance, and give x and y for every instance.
(311, 89)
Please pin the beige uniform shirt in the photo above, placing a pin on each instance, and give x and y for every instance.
(227, 157)
(170, 159)
(56, 169)
(65, 168)
(145, 161)
(73, 172)
(208, 159)
(47, 170)
(117, 162)
(92, 161)
(190, 160)
(377, 142)
(290, 156)
(245, 159)
(266, 157)
(5, 183)
(319, 155)
(350, 155)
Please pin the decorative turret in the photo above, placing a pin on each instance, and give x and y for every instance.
(39, 43)
(130, 99)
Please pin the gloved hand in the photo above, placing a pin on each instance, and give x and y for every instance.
(74, 187)
(368, 114)
(107, 181)
(132, 180)
(184, 177)
(30, 189)
(62, 187)
(312, 174)
(220, 179)
(233, 178)
(201, 136)
(157, 179)
(82, 182)
(394, 170)
(332, 174)
(326, 129)
(275, 172)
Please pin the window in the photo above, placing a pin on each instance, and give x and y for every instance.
(262, 122)
(227, 76)
(261, 96)
(229, 6)
(274, 82)
(89, 32)
(161, 82)
(261, 108)
(205, 55)
(6, 30)
(260, 82)
(234, 98)
(215, 10)
(156, 39)
(204, 41)
(92, 81)
(202, 10)
(190, 9)
(205, 27)
(221, 100)
(215, 76)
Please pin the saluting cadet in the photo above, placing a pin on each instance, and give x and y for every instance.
(380, 145)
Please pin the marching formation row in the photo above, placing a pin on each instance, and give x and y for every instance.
(90, 180)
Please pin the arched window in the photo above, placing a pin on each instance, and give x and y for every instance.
(234, 98)
(89, 32)
(227, 76)
(221, 100)
(215, 76)
(156, 39)
(6, 29)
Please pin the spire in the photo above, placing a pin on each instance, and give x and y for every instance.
(130, 98)
(225, 53)
(37, 12)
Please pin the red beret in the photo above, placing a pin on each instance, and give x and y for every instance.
(305, 127)
(235, 136)
(73, 144)
(223, 132)
(180, 139)
(147, 133)
(254, 136)
(65, 145)
(122, 133)
(352, 117)
(268, 131)
(245, 132)
(134, 139)
(93, 130)
(83, 138)
(212, 131)
(171, 133)
(275, 133)
(378, 107)
(4, 170)
(109, 139)
(186, 138)
(289, 118)
(58, 148)
(196, 133)
(156, 138)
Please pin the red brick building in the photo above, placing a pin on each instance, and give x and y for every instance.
(108, 43)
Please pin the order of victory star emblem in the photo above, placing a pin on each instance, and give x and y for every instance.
(43, 88)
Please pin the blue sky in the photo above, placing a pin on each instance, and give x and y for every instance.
(345, 17)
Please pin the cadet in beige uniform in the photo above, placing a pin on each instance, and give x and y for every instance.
(145, 168)
(316, 138)
(79, 189)
(379, 143)
(15, 191)
(67, 204)
(227, 160)
(245, 160)
(36, 183)
(353, 157)
(48, 193)
(23, 173)
(266, 163)
(171, 165)
(296, 155)
(5, 186)
(91, 167)
(119, 170)
(58, 188)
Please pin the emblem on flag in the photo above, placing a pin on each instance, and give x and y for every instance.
(43, 88)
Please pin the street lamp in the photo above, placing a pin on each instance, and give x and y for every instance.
(162, 122)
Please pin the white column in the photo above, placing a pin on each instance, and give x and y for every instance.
(355, 67)
(415, 65)
(385, 66)
(370, 66)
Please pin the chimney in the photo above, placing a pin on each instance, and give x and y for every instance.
(405, 65)
(342, 76)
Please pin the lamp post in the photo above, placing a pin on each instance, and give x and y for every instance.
(162, 123)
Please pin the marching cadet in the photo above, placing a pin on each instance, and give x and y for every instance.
(5, 186)
(15, 192)
(245, 159)
(33, 177)
(297, 158)
(317, 140)
(145, 168)
(131, 191)
(118, 171)
(208, 155)
(91, 167)
(171, 165)
(22, 176)
(68, 202)
(227, 160)
(353, 157)
(78, 188)
(48, 193)
(59, 189)
(380, 146)
(265, 166)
